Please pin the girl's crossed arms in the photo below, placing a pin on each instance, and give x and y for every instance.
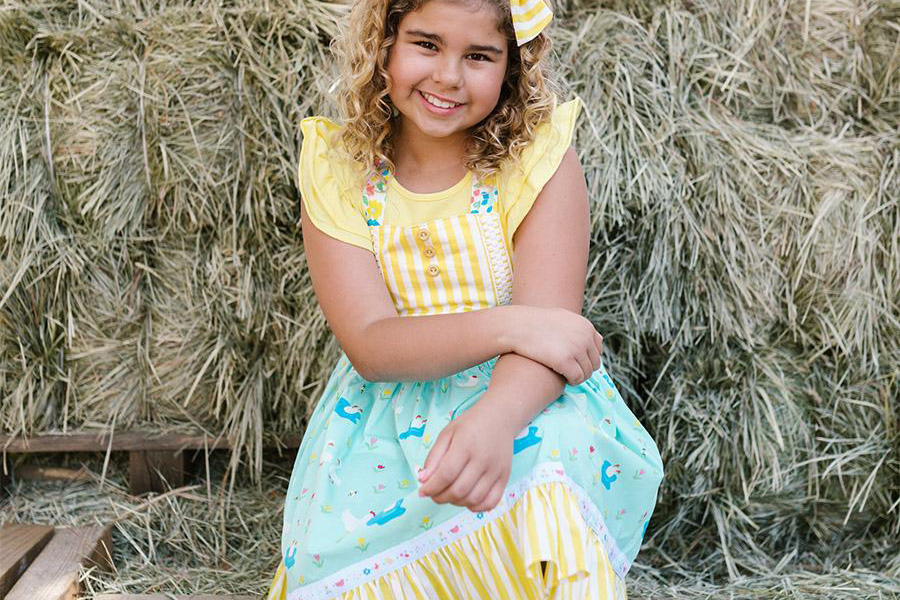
(541, 338)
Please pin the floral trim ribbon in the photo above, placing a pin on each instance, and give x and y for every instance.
(461, 526)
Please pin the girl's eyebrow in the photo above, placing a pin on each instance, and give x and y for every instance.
(435, 37)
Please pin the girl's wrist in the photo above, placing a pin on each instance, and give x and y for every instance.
(498, 413)
(510, 320)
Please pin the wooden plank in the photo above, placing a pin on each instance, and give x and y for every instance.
(5, 479)
(36, 473)
(20, 543)
(129, 440)
(156, 470)
(170, 597)
(54, 573)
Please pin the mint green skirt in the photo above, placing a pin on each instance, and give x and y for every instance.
(353, 516)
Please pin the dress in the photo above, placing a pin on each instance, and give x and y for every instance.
(585, 473)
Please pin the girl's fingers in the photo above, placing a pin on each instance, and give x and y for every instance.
(442, 474)
(446, 475)
(594, 356)
(459, 484)
(434, 456)
(493, 497)
(479, 492)
(584, 362)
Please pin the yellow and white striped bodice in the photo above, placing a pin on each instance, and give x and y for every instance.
(448, 265)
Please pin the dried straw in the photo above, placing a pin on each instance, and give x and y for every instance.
(743, 161)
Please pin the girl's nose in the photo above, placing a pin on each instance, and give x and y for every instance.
(447, 72)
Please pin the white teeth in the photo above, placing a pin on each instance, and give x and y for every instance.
(438, 102)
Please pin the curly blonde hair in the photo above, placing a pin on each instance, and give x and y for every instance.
(527, 97)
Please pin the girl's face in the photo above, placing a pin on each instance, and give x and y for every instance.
(452, 54)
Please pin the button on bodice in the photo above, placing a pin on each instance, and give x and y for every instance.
(448, 265)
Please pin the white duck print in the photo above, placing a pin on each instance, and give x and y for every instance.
(332, 472)
(416, 428)
(327, 456)
(351, 522)
(351, 412)
(609, 472)
(527, 437)
(467, 381)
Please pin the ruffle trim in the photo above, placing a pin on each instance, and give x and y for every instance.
(539, 161)
(323, 178)
(544, 517)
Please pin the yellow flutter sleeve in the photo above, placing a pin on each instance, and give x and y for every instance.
(537, 164)
(326, 185)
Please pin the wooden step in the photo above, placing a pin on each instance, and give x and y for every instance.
(19, 545)
(155, 460)
(53, 575)
(129, 440)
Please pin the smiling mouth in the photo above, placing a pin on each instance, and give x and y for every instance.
(435, 101)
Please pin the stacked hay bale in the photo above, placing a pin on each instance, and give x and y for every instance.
(154, 266)
(742, 159)
(747, 235)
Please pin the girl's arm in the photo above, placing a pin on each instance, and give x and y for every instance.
(550, 267)
(470, 462)
(383, 346)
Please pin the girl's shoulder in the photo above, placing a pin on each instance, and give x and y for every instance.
(558, 129)
(319, 130)
(521, 181)
(329, 183)
(540, 159)
(323, 155)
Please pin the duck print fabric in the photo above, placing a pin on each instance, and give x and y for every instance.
(353, 513)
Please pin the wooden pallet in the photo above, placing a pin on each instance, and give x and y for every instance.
(153, 459)
(39, 562)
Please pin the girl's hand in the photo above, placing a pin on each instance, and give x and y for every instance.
(470, 462)
(559, 339)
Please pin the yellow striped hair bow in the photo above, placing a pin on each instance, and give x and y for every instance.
(529, 18)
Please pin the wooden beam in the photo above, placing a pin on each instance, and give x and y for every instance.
(154, 457)
(130, 440)
(54, 573)
(5, 479)
(19, 545)
(155, 470)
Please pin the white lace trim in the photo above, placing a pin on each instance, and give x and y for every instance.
(498, 256)
(463, 524)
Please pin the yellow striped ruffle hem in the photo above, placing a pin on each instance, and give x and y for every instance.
(498, 561)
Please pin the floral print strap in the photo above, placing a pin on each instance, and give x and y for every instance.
(374, 194)
(374, 197)
(484, 196)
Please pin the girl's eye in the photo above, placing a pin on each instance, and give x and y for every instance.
(481, 57)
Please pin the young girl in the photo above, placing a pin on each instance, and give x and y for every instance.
(479, 450)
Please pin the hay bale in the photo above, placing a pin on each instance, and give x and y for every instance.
(742, 160)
